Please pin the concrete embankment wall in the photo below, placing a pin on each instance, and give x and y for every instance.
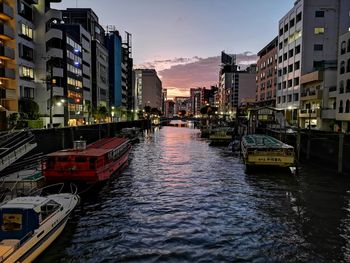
(323, 148)
(50, 140)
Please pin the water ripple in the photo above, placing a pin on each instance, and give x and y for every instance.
(183, 201)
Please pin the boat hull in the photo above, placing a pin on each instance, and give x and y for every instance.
(271, 160)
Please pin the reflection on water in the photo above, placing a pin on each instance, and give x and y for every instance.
(183, 201)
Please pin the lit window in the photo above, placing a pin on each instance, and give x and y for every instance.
(26, 31)
(319, 30)
(27, 72)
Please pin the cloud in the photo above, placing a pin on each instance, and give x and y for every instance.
(180, 74)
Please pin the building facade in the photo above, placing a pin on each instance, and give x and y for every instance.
(147, 90)
(341, 103)
(266, 75)
(87, 18)
(8, 77)
(182, 104)
(307, 60)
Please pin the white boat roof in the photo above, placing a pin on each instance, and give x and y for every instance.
(28, 202)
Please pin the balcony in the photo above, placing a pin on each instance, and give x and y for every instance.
(6, 12)
(309, 113)
(53, 33)
(328, 113)
(11, 94)
(7, 73)
(311, 95)
(7, 53)
(6, 32)
(311, 77)
(55, 53)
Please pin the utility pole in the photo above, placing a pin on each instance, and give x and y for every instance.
(52, 82)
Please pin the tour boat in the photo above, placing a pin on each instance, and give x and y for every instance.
(30, 224)
(259, 149)
(87, 164)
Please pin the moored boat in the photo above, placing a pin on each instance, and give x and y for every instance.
(259, 149)
(30, 224)
(88, 164)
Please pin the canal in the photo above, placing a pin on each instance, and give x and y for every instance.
(181, 200)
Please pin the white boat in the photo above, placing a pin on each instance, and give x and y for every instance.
(30, 224)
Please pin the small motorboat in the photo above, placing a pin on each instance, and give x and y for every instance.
(28, 225)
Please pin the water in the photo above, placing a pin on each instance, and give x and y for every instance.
(183, 201)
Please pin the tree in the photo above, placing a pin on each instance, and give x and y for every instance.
(155, 111)
(30, 109)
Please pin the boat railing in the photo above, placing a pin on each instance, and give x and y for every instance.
(60, 186)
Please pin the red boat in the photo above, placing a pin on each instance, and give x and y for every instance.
(89, 164)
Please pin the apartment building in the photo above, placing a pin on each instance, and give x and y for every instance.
(340, 104)
(8, 76)
(266, 75)
(87, 18)
(307, 60)
(147, 90)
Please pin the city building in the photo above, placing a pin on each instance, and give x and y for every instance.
(236, 86)
(266, 75)
(8, 78)
(182, 105)
(307, 60)
(170, 111)
(147, 89)
(339, 102)
(164, 100)
(87, 18)
(197, 100)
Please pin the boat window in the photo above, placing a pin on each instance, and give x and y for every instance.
(50, 162)
(62, 159)
(47, 209)
(11, 222)
(92, 162)
(80, 159)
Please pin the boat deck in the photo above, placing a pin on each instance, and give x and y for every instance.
(263, 141)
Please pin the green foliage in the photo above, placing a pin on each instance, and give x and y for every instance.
(29, 109)
(12, 120)
(35, 124)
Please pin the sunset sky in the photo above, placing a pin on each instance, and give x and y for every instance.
(182, 39)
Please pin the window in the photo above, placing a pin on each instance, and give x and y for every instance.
(291, 53)
(26, 72)
(341, 87)
(290, 68)
(348, 45)
(296, 96)
(343, 48)
(319, 30)
(283, 99)
(278, 100)
(296, 81)
(284, 70)
(297, 65)
(280, 59)
(28, 93)
(286, 28)
(11, 222)
(285, 56)
(297, 49)
(298, 17)
(319, 14)
(318, 65)
(284, 84)
(318, 47)
(348, 66)
(341, 107)
(280, 45)
(291, 22)
(281, 31)
(347, 90)
(342, 67)
(347, 106)
(290, 98)
(290, 83)
(26, 31)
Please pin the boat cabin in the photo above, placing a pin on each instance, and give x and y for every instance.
(21, 216)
